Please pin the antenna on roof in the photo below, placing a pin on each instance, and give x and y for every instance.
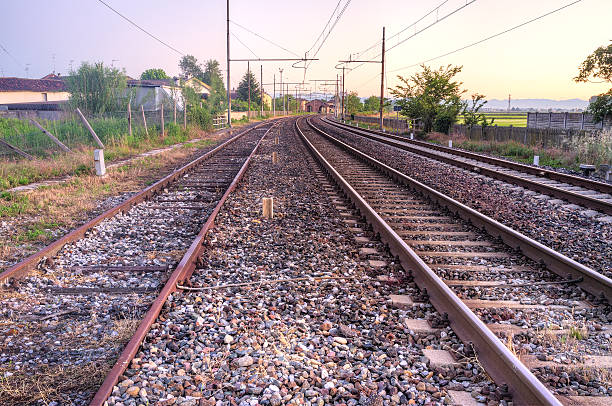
(27, 70)
(53, 58)
(71, 61)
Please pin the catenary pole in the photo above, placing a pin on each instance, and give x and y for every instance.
(249, 80)
(229, 99)
(382, 80)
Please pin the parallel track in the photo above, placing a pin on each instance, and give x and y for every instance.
(589, 193)
(433, 243)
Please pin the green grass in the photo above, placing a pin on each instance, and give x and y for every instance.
(12, 204)
(504, 120)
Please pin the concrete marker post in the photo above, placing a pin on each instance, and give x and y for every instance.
(450, 143)
(536, 160)
(268, 207)
(99, 162)
(274, 157)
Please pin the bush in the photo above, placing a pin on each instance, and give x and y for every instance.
(443, 122)
(200, 117)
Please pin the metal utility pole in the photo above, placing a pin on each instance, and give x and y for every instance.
(274, 97)
(281, 87)
(229, 98)
(343, 93)
(382, 81)
(336, 98)
(262, 91)
(249, 81)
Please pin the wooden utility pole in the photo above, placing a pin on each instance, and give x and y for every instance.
(262, 92)
(91, 130)
(174, 111)
(249, 81)
(130, 118)
(382, 80)
(48, 134)
(229, 99)
(15, 149)
(144, 119)
(274, 97)
(185, 115)
(343, 93)
(163, 132)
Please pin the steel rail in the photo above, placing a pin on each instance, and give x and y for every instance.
(182, 272)
(592, 281)
(30, 262)
(497, 359)
(573, 197)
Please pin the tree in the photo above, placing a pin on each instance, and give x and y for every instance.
(372, 103)
(190, 67)
(353, 103)
(243, 88)
(96, 89)
(152, 74)
(212, 71)
(431, 96)
(598, 65)
(471, 114)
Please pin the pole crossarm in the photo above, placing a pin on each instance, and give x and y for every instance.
(358, 61)
(272, 59)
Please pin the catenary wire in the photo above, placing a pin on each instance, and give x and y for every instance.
(265, 39)
(142, 29)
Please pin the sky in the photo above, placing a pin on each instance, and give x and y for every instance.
(538, 60)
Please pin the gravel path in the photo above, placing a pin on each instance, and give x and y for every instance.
(339, 341)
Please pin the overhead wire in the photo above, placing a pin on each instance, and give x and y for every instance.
(489, 37)
(331, 28)
(326, 25)
(265, 39)
(11, 55)
(245, 45)
(142, 29)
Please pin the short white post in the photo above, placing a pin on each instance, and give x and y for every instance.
(450, 143)
(99, 162)
(536, 160)
(268, 207)
(411, 136)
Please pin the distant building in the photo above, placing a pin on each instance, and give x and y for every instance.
(319, 106)
(19, 90)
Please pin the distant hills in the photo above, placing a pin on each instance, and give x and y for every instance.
(538, 104)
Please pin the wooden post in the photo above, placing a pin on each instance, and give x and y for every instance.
(15, 149)
(144, 120)
(91, 131)
(163, 132)
(274, 157)
(130, 119)
(174, 111)
(48, 134)
(275, 140)
(268, 207)
(184, 115)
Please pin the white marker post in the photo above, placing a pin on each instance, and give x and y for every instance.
(450, 143)
(99, 162)
(536, 160)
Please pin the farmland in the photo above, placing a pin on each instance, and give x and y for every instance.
(504, 119)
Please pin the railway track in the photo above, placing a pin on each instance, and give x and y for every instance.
(589, 193)
(455, 252)
(68, 310)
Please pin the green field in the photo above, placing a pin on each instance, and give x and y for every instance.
(504, 119)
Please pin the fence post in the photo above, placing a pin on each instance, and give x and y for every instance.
(144, 120)
(48, 134)
(184, 116)
(91, 131)
(130, 118)
(15, 149)
(582, 121)
(565, 120)
(174, 111)
(549, 119)
(163, 132)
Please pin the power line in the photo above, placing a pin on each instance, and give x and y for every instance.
(404, 29)
(324, 28)
(330, 30)
(265, 39)
(244, 45)
(9, 54)
(489, 37)
(142, 29)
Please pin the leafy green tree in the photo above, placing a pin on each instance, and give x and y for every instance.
(471, 113)
(372, 103)
(96, 89)
(152, 74)
(430, 95)
(353, 103)
(212, 71)
(598, 65)
(190, 67)
(243, 88)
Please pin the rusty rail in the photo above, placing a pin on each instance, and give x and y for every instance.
(30, 262)
(498, 361)
(182, 272)
(574, 197)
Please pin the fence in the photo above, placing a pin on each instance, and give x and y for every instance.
(576, 121)
(544, 137)
(402, 125)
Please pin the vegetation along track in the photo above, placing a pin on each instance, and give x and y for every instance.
(586, 192)
(559, 331)
(68, 310)
(567, 228)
